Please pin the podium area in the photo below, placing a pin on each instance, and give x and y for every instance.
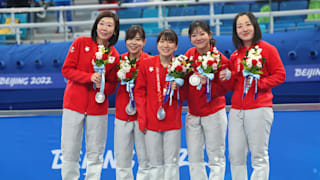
(31, 145)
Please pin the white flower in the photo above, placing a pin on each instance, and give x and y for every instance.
(100, 47)
(99, 55)
(210, 58)
(249, 63)
(255, 53)
(259, 50)
(184, 69)
(188, 65)
(255, 56)
(176, 63)
(171, 69)
(204, 64)
(126, 67)
(251, 52)
(214, 66)
(121, 74)
(259, 64)
(216, 56)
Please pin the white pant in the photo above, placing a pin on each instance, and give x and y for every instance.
(210, 132)
(163, 149)
(249, 130)
(71, 140)
(126, 134)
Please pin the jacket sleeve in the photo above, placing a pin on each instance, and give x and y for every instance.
(111, 75)
(140, 96)
(226, 85)
(69, 69)
(276, 72)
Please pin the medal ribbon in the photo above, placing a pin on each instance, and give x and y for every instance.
(170, 91)
(129, 88)
(209, 77)
(161, 112)
(159, 87)
(246, 87)
(100, 70)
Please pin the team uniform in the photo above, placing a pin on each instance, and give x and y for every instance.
(206, 124)
(126, 134)
(250, 119)
(80, 107)
(162, 136)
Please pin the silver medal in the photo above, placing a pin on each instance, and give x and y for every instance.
(130, 110)
(194, 80)
(100, 97)
(161, 114)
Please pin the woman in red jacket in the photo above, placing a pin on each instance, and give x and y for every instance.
(126, 127)
(251, 113)
(85, 98)
(161, 121)
(206, 121)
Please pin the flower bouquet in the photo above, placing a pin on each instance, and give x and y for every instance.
(210, 62)
(178, 68)
(100, 59)
(127, 74)
(252, 64)
(127, 69)
(206, 65)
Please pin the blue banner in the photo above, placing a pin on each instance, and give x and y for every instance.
(307, 72)
(32, 81)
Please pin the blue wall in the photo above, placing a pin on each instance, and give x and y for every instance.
(30, 75)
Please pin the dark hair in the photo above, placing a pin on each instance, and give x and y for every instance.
(114, 38)
(203, 25)
(237, 42)
(133, 31)
(169, 35)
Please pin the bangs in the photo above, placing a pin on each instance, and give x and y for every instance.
(133, 31)
(131, 34)
(168, 35)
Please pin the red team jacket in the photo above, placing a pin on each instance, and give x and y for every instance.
(273, 75)
(198, 105)
(122, 98)
(146, 98)
(79, 94)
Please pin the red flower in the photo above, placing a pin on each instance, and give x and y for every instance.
(215, 61)
(129, 75)
(210, 62)
(254, 62)
(132, 69)
(104, 56)
(179, 68)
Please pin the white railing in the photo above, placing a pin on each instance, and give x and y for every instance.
(163, 22)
